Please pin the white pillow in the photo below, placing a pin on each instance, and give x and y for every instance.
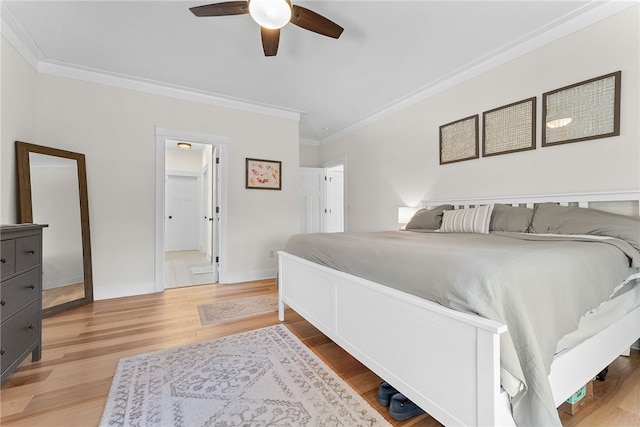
(470, 220)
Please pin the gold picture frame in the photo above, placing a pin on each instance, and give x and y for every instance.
(459, 140)
(582, 111)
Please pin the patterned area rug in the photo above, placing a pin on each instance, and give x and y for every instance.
(264, 377)
(233, 309)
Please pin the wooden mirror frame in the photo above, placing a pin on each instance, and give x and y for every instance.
(25, 210)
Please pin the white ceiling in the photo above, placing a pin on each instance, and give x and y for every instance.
(390, 52)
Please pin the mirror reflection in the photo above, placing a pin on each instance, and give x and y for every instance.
(55, 201)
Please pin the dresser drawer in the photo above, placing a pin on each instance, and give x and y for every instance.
(19, 335)
(28, 252)
(8, 255)
(19, 291)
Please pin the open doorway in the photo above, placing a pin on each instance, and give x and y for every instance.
(191, 199)
(190, 208)
(322, 196)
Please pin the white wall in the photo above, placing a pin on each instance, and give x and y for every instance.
(17, 122)
(395, 161)
(115, 129)
(309, 155)
(183, 160)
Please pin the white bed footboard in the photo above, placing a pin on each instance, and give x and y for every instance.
(393, 333)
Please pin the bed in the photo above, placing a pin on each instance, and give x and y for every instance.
(450, 360)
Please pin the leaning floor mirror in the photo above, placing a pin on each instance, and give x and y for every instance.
(52, 190)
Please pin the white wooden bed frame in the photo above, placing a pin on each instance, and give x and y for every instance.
(446, 361)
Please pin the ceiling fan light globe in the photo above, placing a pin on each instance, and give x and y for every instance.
(271, 14)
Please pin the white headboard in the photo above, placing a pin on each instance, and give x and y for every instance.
(626, 202)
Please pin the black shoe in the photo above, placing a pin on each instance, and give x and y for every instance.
(385, 391)
(401, 408)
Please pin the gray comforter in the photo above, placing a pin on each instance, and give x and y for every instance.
(538, 285)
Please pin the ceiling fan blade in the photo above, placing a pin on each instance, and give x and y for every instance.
(222, 9)
(270, 40)
(309, 20)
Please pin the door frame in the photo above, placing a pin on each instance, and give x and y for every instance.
(221, 141)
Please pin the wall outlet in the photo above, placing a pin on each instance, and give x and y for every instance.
(272, 253)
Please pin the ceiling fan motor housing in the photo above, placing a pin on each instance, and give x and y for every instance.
(270, 14)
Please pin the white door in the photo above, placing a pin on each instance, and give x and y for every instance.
(181, 213)
(335, 199)
(209, 217)
(311, 199)
(205, 215)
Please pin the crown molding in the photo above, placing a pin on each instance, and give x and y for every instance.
(16, 35)
(307, 141)
(591, 13)
(122, 81)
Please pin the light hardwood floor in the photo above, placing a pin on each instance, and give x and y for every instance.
(81, 348)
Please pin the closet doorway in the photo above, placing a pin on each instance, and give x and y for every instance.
(190, 209)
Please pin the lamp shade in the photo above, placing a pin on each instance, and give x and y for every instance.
(271, 14)
(405, 213)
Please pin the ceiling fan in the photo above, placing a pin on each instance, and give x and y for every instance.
(272, 15)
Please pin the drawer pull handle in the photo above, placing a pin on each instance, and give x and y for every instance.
(3, 260)
(30, 287)
(31, 251)
(3, 302)
(31, 327)
(1, 351)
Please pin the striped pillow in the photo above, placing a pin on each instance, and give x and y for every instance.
(470, 220)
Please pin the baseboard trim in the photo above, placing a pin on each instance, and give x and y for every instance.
(249, 276)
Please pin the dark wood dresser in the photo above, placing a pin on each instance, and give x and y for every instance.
(20, 295)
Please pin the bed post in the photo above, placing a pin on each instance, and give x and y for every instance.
(489, 402)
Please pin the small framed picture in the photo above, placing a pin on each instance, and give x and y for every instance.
(459, 140)
(510, 128)
(263, 174)
(582, 111)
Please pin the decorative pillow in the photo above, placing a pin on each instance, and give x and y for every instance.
(427, 219)
(553, 218)
(470, 220)
(510, 218)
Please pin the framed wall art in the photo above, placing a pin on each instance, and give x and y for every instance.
(459, 140)
(509, 128)
(263, 174)
(582, 111)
